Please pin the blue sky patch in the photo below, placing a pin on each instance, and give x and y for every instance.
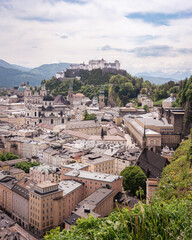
(159, 18)
(38, 19)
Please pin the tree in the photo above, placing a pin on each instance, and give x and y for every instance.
(11, 156)
(8, 156)
(3, 157)
(87, 116)
(133, 179)
(146, 108)
(25, 166)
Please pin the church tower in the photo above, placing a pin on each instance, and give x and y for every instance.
(27, 94)
(101, 98)
(43, 91)
(144, 139)
(70, 93)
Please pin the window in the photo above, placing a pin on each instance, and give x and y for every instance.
(51, 121)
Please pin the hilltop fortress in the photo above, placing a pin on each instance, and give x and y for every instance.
(75, 69)
(95, 64)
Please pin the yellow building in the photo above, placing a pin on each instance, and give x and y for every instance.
(45, 207)
(99, 163)
(88, 127)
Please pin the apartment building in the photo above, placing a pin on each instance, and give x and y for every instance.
(73, 194)
(95, 180)
(50, 203)
(48, 154)
(45, 207)
(17, 173)
(99, 204)
(15, 145)
(20, 201)
(88, 127)
(99, 163)
(78, 166)
(6, 185)
(43, 173)
(125, 158)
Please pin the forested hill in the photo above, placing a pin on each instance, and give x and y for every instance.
(118, 86)
(119, 89)
(167, 217)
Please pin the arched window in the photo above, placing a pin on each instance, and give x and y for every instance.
(51, 121)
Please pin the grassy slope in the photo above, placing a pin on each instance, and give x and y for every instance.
(177, 177)
(158, 102)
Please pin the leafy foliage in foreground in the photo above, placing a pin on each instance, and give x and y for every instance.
(166, 221)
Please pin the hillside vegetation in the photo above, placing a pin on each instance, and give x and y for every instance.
(168, 217)
(120, 88)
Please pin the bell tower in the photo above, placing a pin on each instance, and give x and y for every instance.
(101, 98)
(70, 93)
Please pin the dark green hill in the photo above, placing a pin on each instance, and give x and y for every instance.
(14, 66)
(13, 75)
(10, 77)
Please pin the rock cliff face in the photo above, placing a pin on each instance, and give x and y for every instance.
(113, 98)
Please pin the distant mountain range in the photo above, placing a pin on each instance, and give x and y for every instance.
(160, 77)
(13, 75)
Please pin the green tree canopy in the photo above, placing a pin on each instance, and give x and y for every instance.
(87, 116)
(133, 179)
(25, 166)
(8, 156)
(146, 108)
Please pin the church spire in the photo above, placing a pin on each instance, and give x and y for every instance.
(144, 138)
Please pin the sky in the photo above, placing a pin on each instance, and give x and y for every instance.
(145, 36)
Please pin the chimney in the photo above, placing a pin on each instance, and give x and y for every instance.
(87, 210)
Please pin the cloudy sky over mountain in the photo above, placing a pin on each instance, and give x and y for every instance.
(144, 35)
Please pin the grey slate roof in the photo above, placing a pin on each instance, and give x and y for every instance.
(151, 163)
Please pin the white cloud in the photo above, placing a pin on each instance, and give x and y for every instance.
(31, 32)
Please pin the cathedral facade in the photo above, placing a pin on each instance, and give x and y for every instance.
(41, 107)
